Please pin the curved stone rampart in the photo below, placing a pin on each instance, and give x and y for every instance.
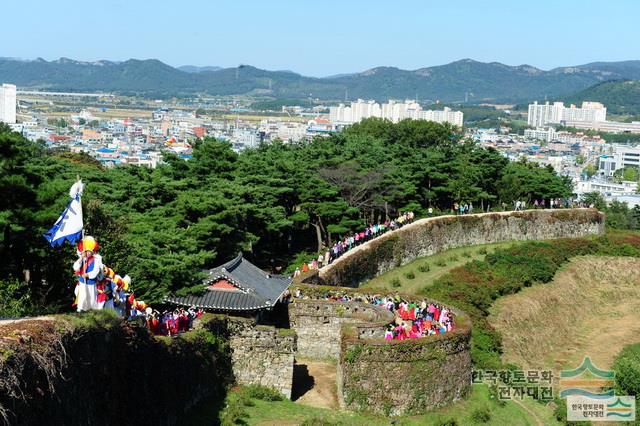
(429, 236)
(400, 377)
(391, 377)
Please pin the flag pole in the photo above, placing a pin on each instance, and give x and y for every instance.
(78, 180)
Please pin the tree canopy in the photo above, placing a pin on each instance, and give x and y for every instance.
(162, 226)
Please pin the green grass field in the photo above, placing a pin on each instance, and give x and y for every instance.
(399, 279)
(465, 412)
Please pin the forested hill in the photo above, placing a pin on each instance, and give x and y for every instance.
(476, 81)
(276, 203)
(620, 97)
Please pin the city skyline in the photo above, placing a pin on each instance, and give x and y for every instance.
(334, 38)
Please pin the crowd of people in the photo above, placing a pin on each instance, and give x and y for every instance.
(353, 240)
(99, 287)
(462, 208)
(413, 319)
(171, 323)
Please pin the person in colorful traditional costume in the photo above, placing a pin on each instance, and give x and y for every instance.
(87, 268)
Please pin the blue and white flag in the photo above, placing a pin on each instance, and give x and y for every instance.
(69, 225)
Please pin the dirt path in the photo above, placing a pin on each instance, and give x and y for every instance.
(533, 415)
(314, 384)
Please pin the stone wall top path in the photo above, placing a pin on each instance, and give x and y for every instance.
(431, 235)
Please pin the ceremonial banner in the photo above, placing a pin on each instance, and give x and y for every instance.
(69, 225)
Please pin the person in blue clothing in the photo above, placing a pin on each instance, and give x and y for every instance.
(87, 268)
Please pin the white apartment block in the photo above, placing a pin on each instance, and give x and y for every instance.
(607, 126)
(542, 114)
(8, 103)
(605, 187)
(393, 111)
(623, 156)
(542, 134)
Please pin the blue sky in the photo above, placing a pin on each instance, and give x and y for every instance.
(324, 37)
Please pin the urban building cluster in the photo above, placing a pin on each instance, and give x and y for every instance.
(142, 139)
(591, 116)
(572, 154)
(392, 110)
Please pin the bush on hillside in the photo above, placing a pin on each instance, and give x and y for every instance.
(474, 286)
(263, 393)
(627, 369)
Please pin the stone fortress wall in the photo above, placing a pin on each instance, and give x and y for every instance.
(415, 375)
(403, 377)
(318, 324)
(432, 235)
(387, 377)
(261, 355)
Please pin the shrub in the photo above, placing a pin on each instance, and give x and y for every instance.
(263, 393)
(483, 251)
(627, 369)
(454, 258)
(424, 267)
(234, 412)
(318, 421)
(447, 422)
(466, 254)
(441, 263)
(409, 275)
(474, 286)
(353, 353)
(395, 283)
(15, 299)
(481, 415)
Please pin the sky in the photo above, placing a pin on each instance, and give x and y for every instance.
(326, 37)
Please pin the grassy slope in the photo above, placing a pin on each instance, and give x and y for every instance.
(439, 264)
(592, 307)
(291, 413)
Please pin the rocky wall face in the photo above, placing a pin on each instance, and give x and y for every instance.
(106, 372)
(429, 236)
(318, 324)
(261, 355)
(404, 377)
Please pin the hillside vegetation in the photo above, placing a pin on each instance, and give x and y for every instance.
(450, 82)
(589, 309)
(620, 97)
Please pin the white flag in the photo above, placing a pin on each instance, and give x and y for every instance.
(69, 225)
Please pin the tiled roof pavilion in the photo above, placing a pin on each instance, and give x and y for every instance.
(238, 285)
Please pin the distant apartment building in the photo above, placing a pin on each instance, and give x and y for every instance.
(607, 126)
(8, 103)
(393, 111)
(543, 134)
(543, 114)
(623, 156)
(606, 187)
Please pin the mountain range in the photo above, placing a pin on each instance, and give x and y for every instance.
(453, 82)
(620, 97)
